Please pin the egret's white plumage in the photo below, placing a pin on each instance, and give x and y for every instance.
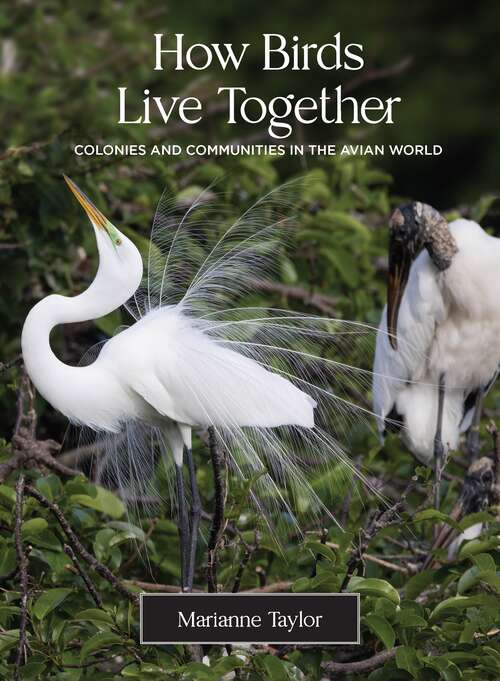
(270, 383)
(448, 325)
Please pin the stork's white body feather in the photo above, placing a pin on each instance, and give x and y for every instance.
(449, 324)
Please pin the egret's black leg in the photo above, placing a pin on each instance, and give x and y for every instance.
(438, 442)
(195, 520)
(183, 524)
(473, 441)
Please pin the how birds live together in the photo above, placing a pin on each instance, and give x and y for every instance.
(270, 384)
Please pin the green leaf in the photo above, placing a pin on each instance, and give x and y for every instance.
(46, 539)
(227, 664)
(416, 584)
(373, 587)
(197, 670)
(7, 496)
(321, 549)
(345, 263)
(475, 518)
(454, 603)
(128, 527)
(408, 619)
(475, 546)
(381, 628)
(33, 670)
(447, 669)
(99, 641)
(121, 537)
(50, 486)
(406, 658)
(8, 640)
(94, 615)
(34, 525)
(274, 668)
(346, 221)
(484, 569)
(8, 561)
(484, 562)
(48, 601)
(104, 501)
(436, 516)
(301, 584)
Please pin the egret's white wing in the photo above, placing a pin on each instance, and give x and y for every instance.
(201, 382)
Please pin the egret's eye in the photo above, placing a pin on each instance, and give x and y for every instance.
(118, 242)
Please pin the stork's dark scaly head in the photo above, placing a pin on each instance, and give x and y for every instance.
(413, 226)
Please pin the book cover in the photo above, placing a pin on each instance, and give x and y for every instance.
(250, 340)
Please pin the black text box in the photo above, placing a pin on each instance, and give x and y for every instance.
(250, 618)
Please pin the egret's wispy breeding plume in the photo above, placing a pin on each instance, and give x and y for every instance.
(272, 384)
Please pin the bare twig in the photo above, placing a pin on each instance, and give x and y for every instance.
(26, 150)
(383, 562)
(333, 669)
(275, 587)
(249, 550)
(78, 547)
(218, 517)
(371, 74)
(16, 361)
(83, 574)
(324, 303)
(378, 521)
(28, 451)
(154, 587)
(22, 561)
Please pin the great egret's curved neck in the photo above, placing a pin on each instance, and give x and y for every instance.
(54, 379)
(66, 387)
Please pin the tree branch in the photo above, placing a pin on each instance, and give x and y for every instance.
(324, 303)
(86, 579)
(76, 544)
(360, 666)
(22, 561)
(378, 521)
(218, 517)
(27, 450)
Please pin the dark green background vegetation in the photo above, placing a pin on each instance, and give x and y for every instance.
(61, 64)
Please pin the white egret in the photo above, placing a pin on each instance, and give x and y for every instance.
(438, 347)
(260, 378)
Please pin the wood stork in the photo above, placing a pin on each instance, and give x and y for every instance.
(438, 345)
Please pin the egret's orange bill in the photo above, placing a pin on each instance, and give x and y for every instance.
(95, 215)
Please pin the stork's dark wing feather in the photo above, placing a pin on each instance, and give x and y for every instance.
(471, 400)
